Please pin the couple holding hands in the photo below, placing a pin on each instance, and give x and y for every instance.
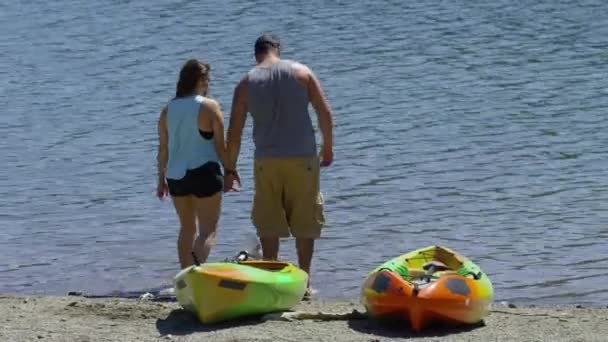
(287, 198)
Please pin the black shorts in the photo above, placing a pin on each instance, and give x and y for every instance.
(204, 181)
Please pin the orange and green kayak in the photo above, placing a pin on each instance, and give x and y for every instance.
(226, 290)
(429, 285)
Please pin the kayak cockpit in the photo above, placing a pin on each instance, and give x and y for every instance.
(272, 266)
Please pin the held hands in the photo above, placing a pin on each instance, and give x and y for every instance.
(230, 178)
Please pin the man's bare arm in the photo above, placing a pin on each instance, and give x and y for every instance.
(321, 106)
(238, 116)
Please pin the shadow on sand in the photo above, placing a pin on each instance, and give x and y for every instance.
(182, 322)
(401, 329)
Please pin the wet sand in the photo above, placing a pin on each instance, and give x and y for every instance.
(71, 318)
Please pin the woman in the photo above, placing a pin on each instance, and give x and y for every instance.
(191, 147)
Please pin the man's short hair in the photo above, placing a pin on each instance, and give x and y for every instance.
(265, 42)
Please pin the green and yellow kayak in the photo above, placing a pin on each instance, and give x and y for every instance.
(226, 290)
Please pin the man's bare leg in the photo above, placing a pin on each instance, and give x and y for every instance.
(270, 248)
(305, 248)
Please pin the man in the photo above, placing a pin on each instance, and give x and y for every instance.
(287, 196)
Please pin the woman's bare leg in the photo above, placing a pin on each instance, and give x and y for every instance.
(184, 206)
(208, 214)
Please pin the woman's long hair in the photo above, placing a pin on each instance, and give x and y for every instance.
(192, 71)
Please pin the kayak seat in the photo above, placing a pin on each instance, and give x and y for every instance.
(435, 265)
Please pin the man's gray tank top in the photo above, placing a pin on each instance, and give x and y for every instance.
(282, 127)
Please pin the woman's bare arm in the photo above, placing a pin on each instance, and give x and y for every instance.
(163, 139)
(214, 111)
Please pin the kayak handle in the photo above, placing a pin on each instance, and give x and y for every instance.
(476, 276)
(242, 256)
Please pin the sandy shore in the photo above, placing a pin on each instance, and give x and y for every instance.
(70, 318)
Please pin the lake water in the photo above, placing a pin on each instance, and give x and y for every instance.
(472, 124)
